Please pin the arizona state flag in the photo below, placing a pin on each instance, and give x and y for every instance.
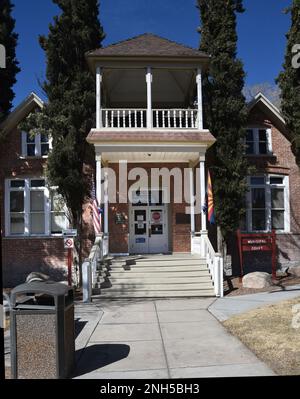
(210, 201)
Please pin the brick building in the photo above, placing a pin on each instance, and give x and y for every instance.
(151, 170)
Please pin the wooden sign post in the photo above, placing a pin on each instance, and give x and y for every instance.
(265, 242)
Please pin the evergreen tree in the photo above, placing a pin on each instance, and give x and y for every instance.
(8, 38)
(289, 81)
(70, 112)
(225, 109)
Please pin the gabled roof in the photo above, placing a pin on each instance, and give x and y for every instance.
(21, 112)
(270, 110)
(147, 45)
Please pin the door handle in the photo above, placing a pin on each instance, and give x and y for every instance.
(149, 232)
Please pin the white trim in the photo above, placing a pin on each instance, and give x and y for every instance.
(264, 100)
(192, 201)
(255, 130)
(267, 186)
(287, 213)
(99, 180)
(98, 98)
(199, 98)
(38, 146)
(106, 204)
(203, 192)
(27, 189)
(149, 79)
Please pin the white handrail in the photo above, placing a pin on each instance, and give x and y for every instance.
(89, 269)
(201, 245)
(215, 264)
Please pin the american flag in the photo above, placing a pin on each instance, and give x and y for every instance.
(96, 210)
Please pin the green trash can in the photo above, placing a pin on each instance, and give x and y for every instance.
(42, 331)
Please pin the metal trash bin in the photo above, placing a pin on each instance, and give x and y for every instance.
(42, 331)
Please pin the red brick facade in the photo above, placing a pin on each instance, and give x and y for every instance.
(24, 255)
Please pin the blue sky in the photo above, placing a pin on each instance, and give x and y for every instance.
(261, 30)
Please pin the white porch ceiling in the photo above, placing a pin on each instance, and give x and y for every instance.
(145, 157)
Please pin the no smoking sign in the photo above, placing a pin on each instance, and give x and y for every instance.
(69, 243)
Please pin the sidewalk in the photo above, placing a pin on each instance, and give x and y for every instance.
(158, 339)
(224, 308)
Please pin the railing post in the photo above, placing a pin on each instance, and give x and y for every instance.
(218, 266)
(204, 238)
(98, 98)
(149, 98)
(87, 286)
(199, 95)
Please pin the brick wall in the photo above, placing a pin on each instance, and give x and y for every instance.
(23, 256)
(282, 162)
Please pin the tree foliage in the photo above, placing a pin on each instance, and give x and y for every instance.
(69, 113)
(225, 108)
(8, 38)
(289, 80)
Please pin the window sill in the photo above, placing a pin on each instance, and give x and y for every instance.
(279, 232)
(53, 236)
(31, 158)
(263, 156)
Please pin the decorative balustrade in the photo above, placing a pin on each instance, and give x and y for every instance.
(161, 118)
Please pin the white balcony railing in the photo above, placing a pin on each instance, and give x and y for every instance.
(161, 118)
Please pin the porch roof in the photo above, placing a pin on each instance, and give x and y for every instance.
(142, 136)
(148, 45)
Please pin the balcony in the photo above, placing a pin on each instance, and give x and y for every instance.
(113, 118)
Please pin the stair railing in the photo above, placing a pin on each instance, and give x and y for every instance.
(89, 269)
(202, 246)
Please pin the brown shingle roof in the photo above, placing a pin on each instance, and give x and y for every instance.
(147, 44)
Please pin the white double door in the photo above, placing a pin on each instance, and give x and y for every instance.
(149, 229)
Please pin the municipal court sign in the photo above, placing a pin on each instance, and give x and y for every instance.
(69, 243)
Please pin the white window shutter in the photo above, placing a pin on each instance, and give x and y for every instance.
(269, 138)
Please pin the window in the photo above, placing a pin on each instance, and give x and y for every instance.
(267, 204)
(35, 146)
(258, 141)
(32, 209)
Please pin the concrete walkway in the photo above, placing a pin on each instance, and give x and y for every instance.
(224, 308)
(176, 338)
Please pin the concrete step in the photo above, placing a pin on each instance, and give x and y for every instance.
(160, 263)
(128, 286)
(158, 274)
(144, 269)
(156, 294)
(159, 280)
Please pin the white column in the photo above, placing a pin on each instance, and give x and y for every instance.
(98, 98)
(149, 79)
(192, 202)
(99, 179)
(199, 99)
(203, 191)
(106, 203)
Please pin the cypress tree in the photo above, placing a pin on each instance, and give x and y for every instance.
(70, 112)
(8, 38)
(289, 80)
(225, 109)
